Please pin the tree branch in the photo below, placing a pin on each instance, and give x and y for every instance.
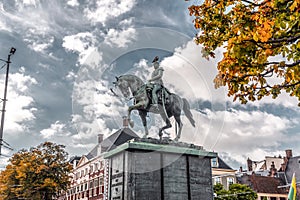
(286, 65)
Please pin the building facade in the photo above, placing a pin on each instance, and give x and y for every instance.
(271, 177)
(89, 178)
(222, 173)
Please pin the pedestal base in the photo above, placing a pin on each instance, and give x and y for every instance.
(140, 170)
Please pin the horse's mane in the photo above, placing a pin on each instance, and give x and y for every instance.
(132, 77)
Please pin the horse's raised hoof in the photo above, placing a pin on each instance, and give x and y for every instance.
(160, 132)
(131, 123)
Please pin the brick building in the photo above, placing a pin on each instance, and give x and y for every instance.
(90, 172)
(271, 177)
(222, 173)
(266, 187)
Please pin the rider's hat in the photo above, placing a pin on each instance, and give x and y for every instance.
(155, 59)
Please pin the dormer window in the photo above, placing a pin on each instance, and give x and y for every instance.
(214, 162)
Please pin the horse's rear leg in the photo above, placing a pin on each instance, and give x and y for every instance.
(168, 125)
(178, 120)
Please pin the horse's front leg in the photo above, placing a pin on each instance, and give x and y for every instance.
(139, 105)
(143, 115)
(130, 109)
(168, 124)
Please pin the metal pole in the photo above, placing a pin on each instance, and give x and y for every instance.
(12, 51)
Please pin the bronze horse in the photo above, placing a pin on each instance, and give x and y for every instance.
(171, 104)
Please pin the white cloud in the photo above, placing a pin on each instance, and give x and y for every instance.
(240, 134)
(79, 42)
(30, 2)
(198, 74)
(3, 24)
(194, 73)
(55, 130)
(73, 3)
(126, 23)
(283, 99)
(32, 22)
(19, 110)
(105, 10)
(71, 76)
(84, 44)
(120, 38)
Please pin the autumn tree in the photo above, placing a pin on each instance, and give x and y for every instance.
(261, 40)
(235, 192)
(40, 173)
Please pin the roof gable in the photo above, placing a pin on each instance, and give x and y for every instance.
(117, 138)
(82, 161)
(222, 164)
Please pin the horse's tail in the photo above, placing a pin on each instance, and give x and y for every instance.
(187, 111)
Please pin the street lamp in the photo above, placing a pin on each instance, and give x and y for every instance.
(12, 52)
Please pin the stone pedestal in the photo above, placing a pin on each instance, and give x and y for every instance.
(147, 169)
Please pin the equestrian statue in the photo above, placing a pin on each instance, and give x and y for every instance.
(155, 98)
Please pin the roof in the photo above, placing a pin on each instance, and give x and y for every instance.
(263, 184)
(293, 166)
(73, 158)
(119, 137)
(222, 164)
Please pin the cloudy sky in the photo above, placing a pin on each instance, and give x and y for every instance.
(69, 51)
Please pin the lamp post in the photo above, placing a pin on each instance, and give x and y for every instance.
(12, 52)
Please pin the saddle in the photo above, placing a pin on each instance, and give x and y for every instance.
(162, 94)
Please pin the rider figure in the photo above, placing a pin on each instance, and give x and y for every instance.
(156, 80)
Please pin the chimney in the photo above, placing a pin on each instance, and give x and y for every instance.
(289, 153)
(241, 169)
(273, 170)
(273, 165)
(74, 164)
(100, 138)
(283, 167)
(249, 164)
(125, 122)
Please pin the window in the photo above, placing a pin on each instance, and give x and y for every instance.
(91, 192)
(96, 182)
(100, 189)
(101, 180)
(217, 180)
(230, 181)
(101, 164)
(214, 162)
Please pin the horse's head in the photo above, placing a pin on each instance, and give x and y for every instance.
(123, 86)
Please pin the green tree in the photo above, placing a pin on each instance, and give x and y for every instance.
(235, 192)
(261, 39)
(40, 173)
